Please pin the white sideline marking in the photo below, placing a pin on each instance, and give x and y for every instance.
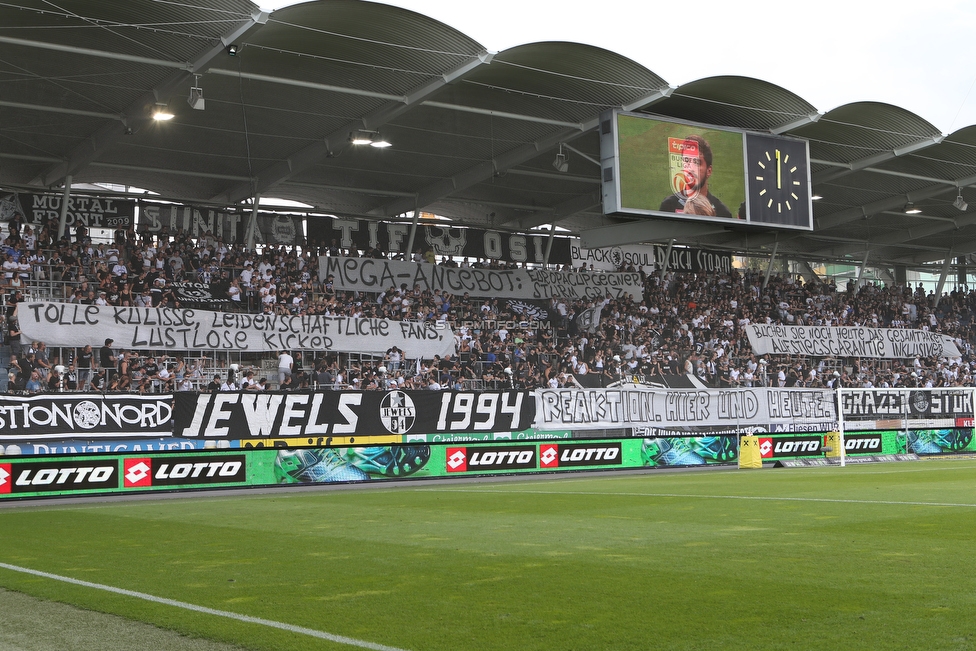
(339, 639)
(770, 498)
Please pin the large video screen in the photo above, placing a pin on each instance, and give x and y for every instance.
(683, 170)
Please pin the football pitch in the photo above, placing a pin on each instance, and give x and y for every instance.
(864, 557)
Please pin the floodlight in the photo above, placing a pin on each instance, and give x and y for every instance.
(561, 164)
(371, 138)
(960, 203)
(910, 209)
(161, 114)
(195, 100)
(360, 138)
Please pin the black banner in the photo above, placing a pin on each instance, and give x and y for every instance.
(231, 227)
(198, 295)
(93, 212)
(652, 256)
(914, 404)
(443, 239)
(84, 415)
(248, 415)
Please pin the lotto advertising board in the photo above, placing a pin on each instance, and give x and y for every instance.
(804, 446)
(42, 474)
(99, 446)
(58, 476)
(665, 168)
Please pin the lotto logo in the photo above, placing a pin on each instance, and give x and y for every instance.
(766, 448)
(549, 455)
(457, 459)
(4, 477)
(137, 473)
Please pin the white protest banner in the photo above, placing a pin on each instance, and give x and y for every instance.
(139, 328)
(849, 341)
(640, 406)
(372, 275)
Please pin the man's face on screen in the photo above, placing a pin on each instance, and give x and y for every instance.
(696, 171)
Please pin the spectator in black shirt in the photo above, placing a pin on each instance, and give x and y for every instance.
(107, 361)
(150, 374)
(83, 362)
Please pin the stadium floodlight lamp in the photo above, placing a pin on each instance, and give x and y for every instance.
(910, 209)
(960, 203)
(561, 164)
(371, 138)
(232, 50)
(380, 142)
(361, 138)
(162, 114)
(195, 100)
(816, 197)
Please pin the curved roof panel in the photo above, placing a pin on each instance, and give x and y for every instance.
(474, 133)
(741, 102)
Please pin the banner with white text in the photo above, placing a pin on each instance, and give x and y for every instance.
(378, 275)
(642, 407)
(84, 415)
(197, 221)
(849, 341)
(138, 328)
(91, 212)
(253, 416)
(879, 409)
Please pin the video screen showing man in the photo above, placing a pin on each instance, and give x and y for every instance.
(682, 170)
(689, 185)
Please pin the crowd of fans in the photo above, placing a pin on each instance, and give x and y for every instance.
(690, 324)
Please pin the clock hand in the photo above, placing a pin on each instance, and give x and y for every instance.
(779, 172)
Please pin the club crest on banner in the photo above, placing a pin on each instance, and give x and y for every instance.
(397, 412)
(283, 229)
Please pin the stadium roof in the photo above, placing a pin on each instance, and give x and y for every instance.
(474, 132)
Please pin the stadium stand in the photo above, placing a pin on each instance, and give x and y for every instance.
(687, 324)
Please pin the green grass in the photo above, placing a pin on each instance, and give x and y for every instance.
(863, 557)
